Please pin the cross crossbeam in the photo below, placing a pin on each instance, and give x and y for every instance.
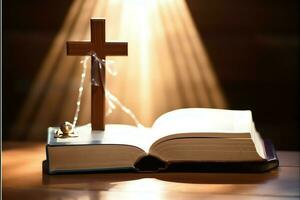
(102, 49)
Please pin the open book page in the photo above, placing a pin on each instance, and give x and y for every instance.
(191, 122)
(213, 122)
(116, 134)
(217, 124)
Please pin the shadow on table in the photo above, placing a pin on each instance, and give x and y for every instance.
(155, 184)
(179, 177)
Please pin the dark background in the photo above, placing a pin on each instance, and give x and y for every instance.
(253, 44)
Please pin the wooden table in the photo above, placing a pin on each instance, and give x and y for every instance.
(23, 179)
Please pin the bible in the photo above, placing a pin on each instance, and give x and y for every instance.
(190, 139)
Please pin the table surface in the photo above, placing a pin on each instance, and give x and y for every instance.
(23, 179)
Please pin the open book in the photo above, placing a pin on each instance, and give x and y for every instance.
(192, 135)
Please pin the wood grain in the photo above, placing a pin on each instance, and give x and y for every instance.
(23, 178)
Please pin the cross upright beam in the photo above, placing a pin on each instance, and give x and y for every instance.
(102, 49)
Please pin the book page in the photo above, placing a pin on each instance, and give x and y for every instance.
(204, 120)
(115, 134)
(191, 121)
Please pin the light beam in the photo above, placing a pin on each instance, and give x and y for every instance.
(167, 66)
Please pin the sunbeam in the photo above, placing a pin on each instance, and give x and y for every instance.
(167, 66)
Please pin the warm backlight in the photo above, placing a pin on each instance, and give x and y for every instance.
(167, 66)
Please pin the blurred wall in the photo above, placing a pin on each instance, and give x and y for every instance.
(253, 45)
(29, 28)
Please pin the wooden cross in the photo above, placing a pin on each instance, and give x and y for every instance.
(102, 49)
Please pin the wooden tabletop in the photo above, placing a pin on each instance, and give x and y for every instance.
(23, 179)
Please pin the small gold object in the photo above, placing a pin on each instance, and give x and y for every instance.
(65, 130)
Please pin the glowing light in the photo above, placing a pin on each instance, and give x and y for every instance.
(151, 189)
(167, 66)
